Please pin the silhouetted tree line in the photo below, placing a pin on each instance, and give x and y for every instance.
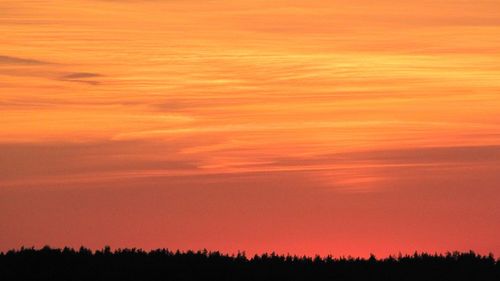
(136, 264)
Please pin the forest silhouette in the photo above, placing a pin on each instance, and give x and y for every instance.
(136, 264)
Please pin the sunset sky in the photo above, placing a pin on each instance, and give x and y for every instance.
(296, 126)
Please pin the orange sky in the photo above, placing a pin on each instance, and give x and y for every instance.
(306, 126)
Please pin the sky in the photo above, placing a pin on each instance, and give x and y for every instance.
(295, 126)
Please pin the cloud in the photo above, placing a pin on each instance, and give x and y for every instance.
(35, 161)
(81, 77)
(368, 171)
(449, 154)
(20, 61)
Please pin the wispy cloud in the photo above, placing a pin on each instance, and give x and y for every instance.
(20, 61)
(82, 77)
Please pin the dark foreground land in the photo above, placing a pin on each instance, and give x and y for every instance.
(132, 264)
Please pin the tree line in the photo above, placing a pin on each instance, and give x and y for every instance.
(162, 264)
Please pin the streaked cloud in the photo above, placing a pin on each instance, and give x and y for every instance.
(21, 61)
(82, 77)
